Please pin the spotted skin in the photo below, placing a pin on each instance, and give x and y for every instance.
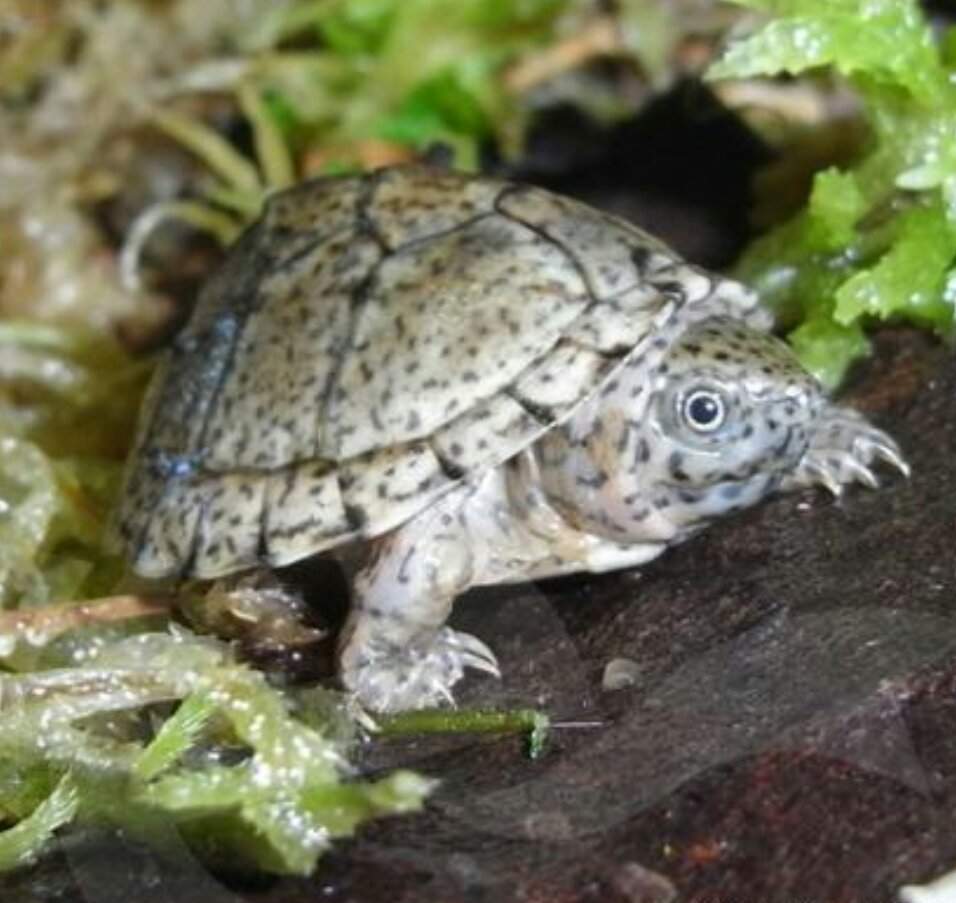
(487, 381)
(623, 479)
(599, 466)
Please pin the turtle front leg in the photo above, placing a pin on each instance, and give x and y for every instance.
(842, 449)
(395, 651)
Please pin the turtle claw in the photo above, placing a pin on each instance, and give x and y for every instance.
(476, 654)
(812, 472)
(861, 473)
(417, 676)
(842, 449)
(887, 451)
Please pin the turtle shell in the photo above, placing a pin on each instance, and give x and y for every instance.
(372, 341)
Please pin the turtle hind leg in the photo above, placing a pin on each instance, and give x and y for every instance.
(395, 651)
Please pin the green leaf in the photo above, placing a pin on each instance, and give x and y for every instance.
(277, 807)
(288, 795)
(176, 736)
(340, 809)
(875, 240)
(502, 14)
(836, 204)
(480, 721)
(886, 40)
(435, 107)
(827, 349)
(928, 151)
(23, 787)
(909, 278)
(216, 152)
(355, 26)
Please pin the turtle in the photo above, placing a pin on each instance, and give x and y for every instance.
(482, 382)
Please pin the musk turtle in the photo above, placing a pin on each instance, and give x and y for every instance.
(486, 381)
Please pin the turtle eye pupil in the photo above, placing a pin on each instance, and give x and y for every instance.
(704, 411)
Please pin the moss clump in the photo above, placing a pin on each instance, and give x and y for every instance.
(877, 239)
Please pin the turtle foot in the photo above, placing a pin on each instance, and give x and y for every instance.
(391, 679)
(843, 449)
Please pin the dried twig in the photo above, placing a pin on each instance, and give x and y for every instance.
(39, 625)
(599, 38)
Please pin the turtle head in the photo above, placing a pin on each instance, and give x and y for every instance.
(730, 418)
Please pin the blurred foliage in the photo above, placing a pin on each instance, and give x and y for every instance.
(417, 72)
(877, 239)
(340, 85)
(67, 404)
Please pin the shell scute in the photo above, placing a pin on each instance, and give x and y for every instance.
(305, 512)
(563, 378)
(499, 426)
(165, 533)
(408, 205)
(272, 407)
(385, 487)
(603, 247)
(305, 216)
(439, 329)
(229, 530)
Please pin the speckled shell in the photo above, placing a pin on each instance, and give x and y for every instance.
(372, 341)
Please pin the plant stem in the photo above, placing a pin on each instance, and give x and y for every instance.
(475, 721)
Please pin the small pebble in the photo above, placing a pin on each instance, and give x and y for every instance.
(620, 673)
(640, 885)
(548, 826)
(942, 890)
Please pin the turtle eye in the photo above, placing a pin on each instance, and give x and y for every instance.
(704, 410)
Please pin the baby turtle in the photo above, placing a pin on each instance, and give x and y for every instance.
(488, 382)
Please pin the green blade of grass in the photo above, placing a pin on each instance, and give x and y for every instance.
(214, 150)
(178, 734)
(22, 843)
(271, 149)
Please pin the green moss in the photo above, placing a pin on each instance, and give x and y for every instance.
(877, 240)
(286, 795)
